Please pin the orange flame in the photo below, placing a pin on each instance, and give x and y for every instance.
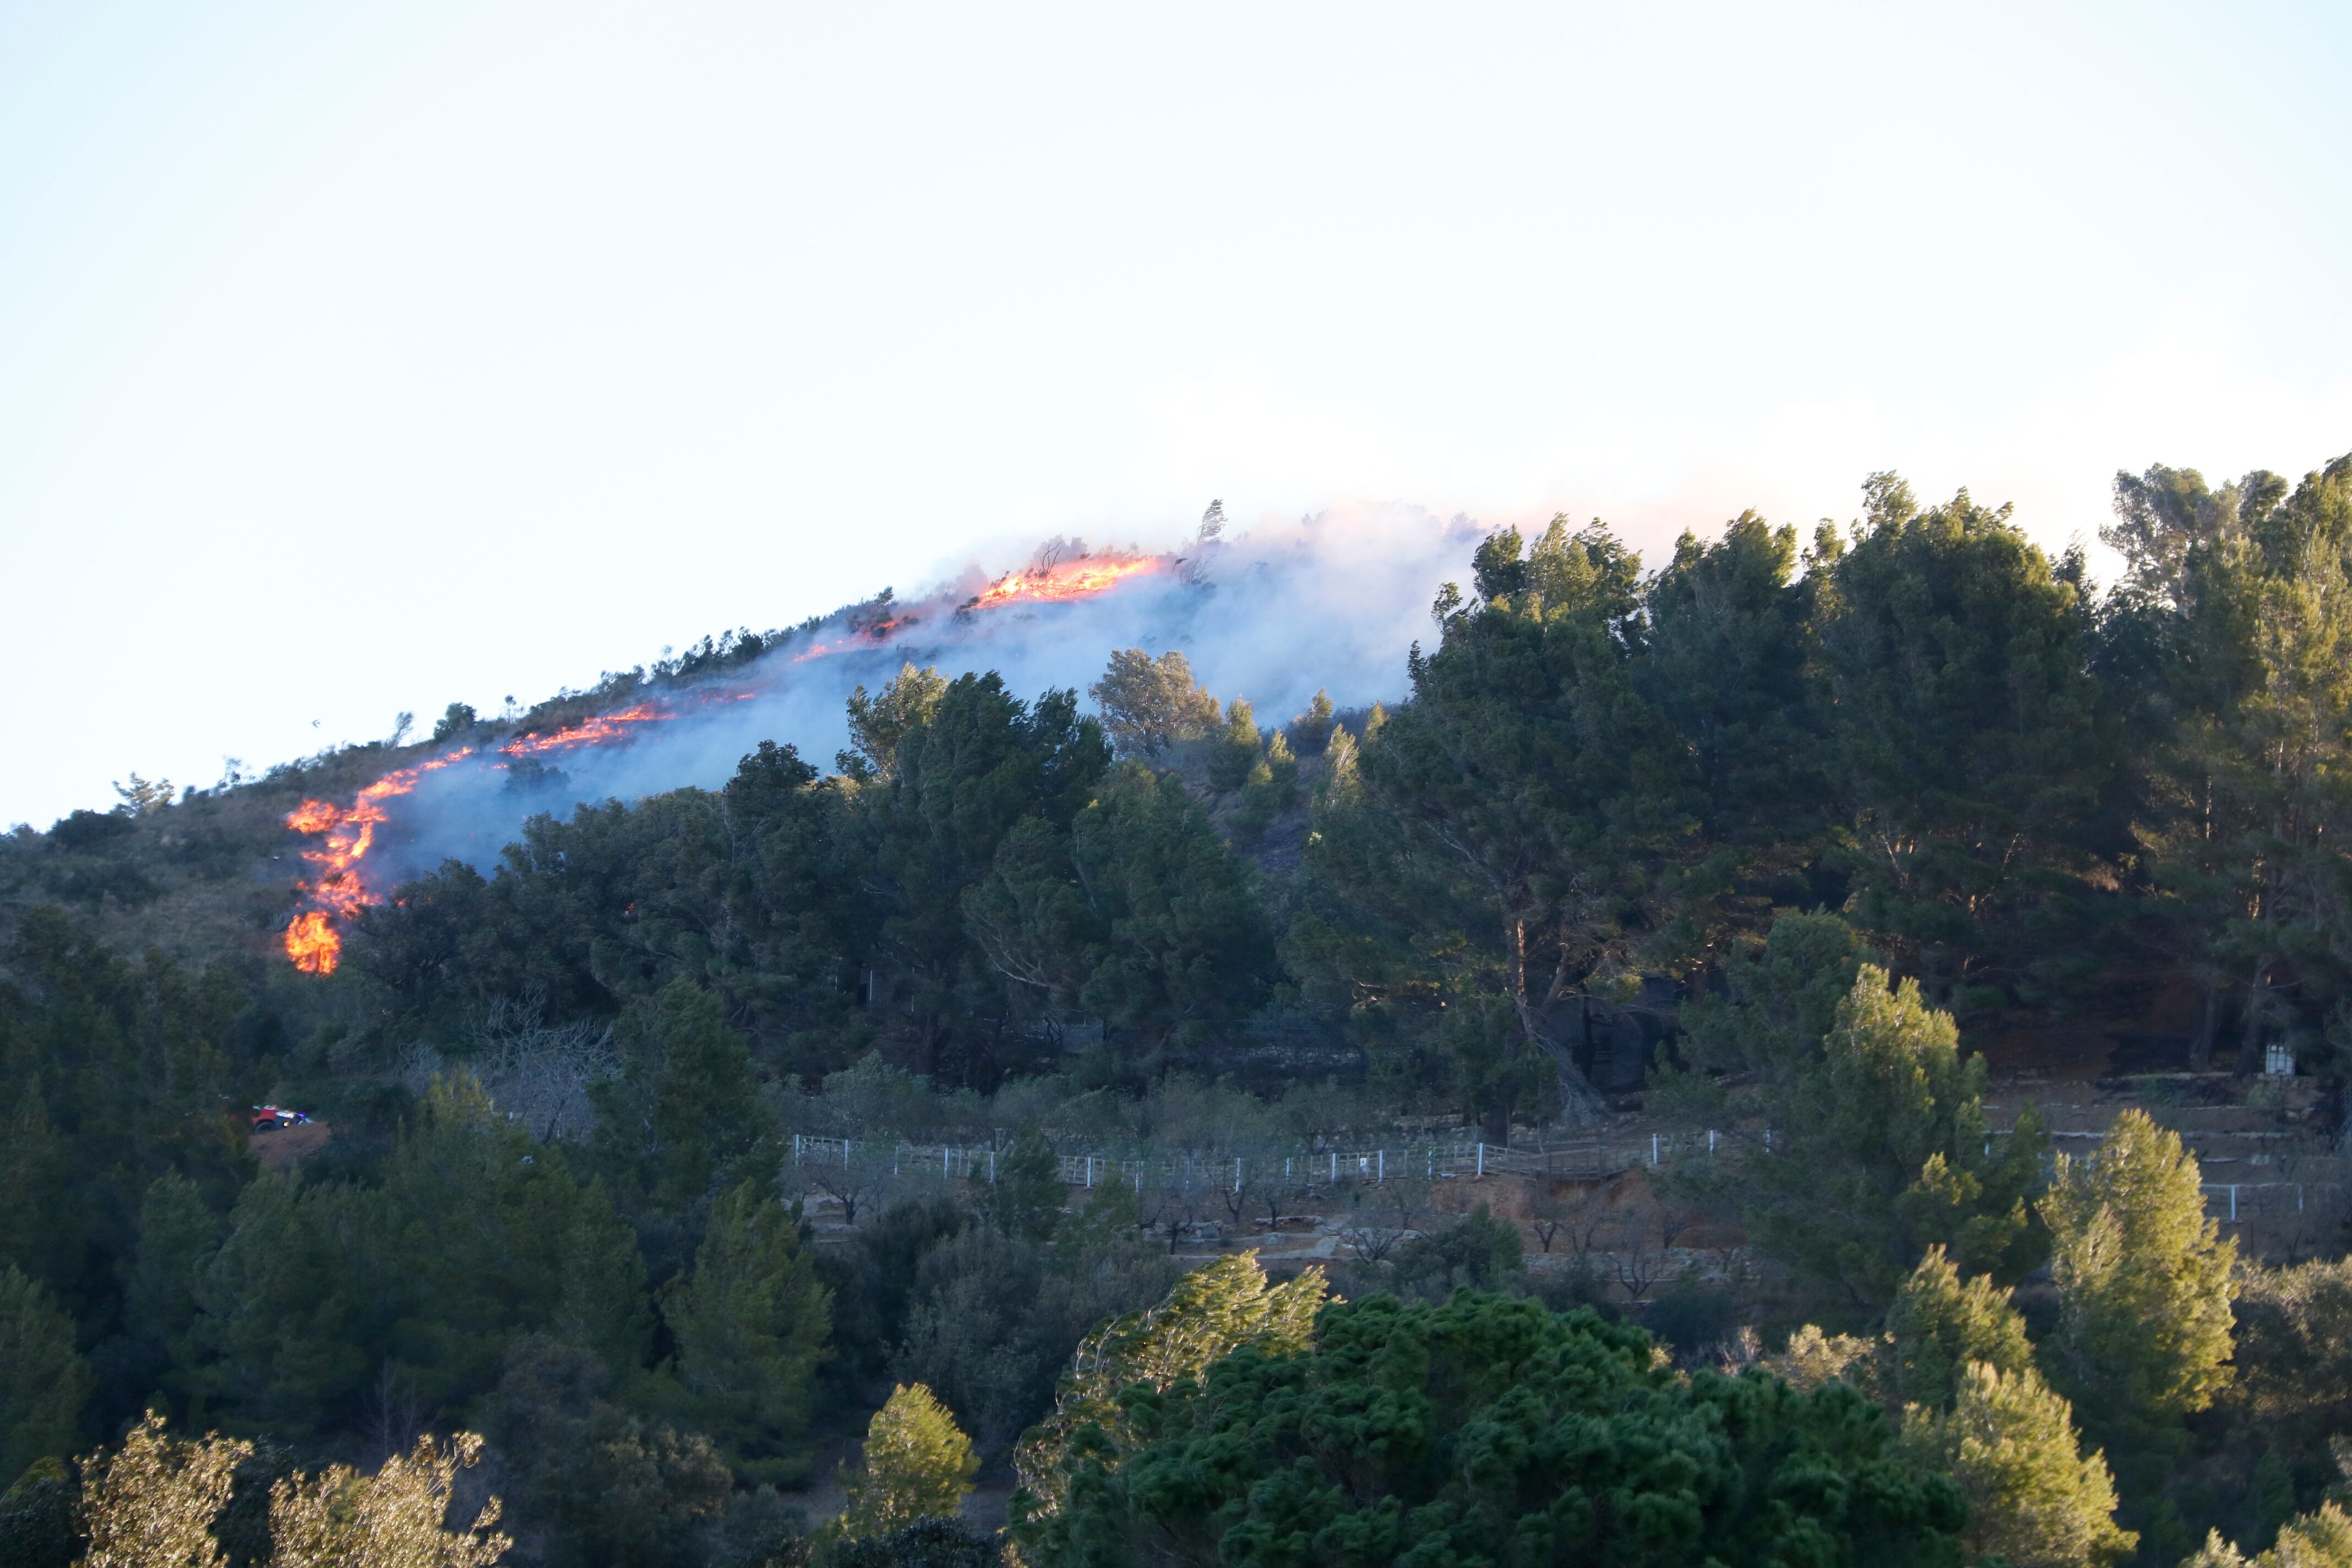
(312, 939)
(593, 731)
(313, 943)
(1080, 579)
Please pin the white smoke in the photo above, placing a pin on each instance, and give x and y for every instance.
(1330, 603)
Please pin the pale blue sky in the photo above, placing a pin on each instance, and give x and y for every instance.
(363, 357)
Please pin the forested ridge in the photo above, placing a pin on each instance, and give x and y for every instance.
(1759, 849)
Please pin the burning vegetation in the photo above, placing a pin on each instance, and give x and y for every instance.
(312, 940)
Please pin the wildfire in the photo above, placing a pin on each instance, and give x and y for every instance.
(593, 731)
(1080, 579)
(312, 939)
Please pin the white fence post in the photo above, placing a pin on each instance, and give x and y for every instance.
(1383, 1175)
(1482, 1159)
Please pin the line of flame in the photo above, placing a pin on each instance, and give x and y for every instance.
(1067, 579)
(1080, 579)
(312, 939)
(591, 732)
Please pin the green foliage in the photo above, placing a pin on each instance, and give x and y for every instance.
(476, 1235)
(1236, 748)
(918, 1465)
(983, 766)
(2291, 1353)
(1209, 1313)
(876, 724)
(1023, 1195)
(751, 1323)
(2144, 1289)
(41, 1525)
(2320, 1540)
(994, 1317)
(2236, 611)
(1476, 1250)
(1878, 1143)
(684, 1116)
(1488, 1430)
(1149, 704)
(110, 1074)
(494, 1237)
(926, 1544)
(1968, 729)
(747, 890)
(178, 1233)
(1725, 657)
(455, 720)
(2034, 1500)
(43, 1382)
(1940, 1326)
(605, 1487)
(1510, 832)
(1137, 917)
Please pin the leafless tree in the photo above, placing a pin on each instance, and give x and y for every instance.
(538, 1074)
(1386, 1213)
(1639, 1266)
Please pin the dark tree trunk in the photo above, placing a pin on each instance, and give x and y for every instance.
(2209, 1027)
(2249, 1043)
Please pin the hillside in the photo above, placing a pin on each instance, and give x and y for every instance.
(1892, 969)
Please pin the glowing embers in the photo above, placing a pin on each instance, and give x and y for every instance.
(1079, 579)
(312, 942)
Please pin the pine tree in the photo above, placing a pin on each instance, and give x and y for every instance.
(177, 1234)
(1968, 734)
(1236, 750)
(2033, 1498)
(2320, 1540)
(43, 1382)
(1939, 1326)
(1209, 1312)
(1511, 831)
(1025, 1194)
(1958, 1360)
(1878, 1142)
(489, 1236)
(919, 1465)
(684, 1116)
(750, 1322)
(876, 724)
(2144, 1284)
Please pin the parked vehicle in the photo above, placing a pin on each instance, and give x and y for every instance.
(269, 1118)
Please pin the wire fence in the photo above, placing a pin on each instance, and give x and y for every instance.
(1432, 1160)
(1308, 1170)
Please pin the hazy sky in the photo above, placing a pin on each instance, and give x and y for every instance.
(356, 358)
